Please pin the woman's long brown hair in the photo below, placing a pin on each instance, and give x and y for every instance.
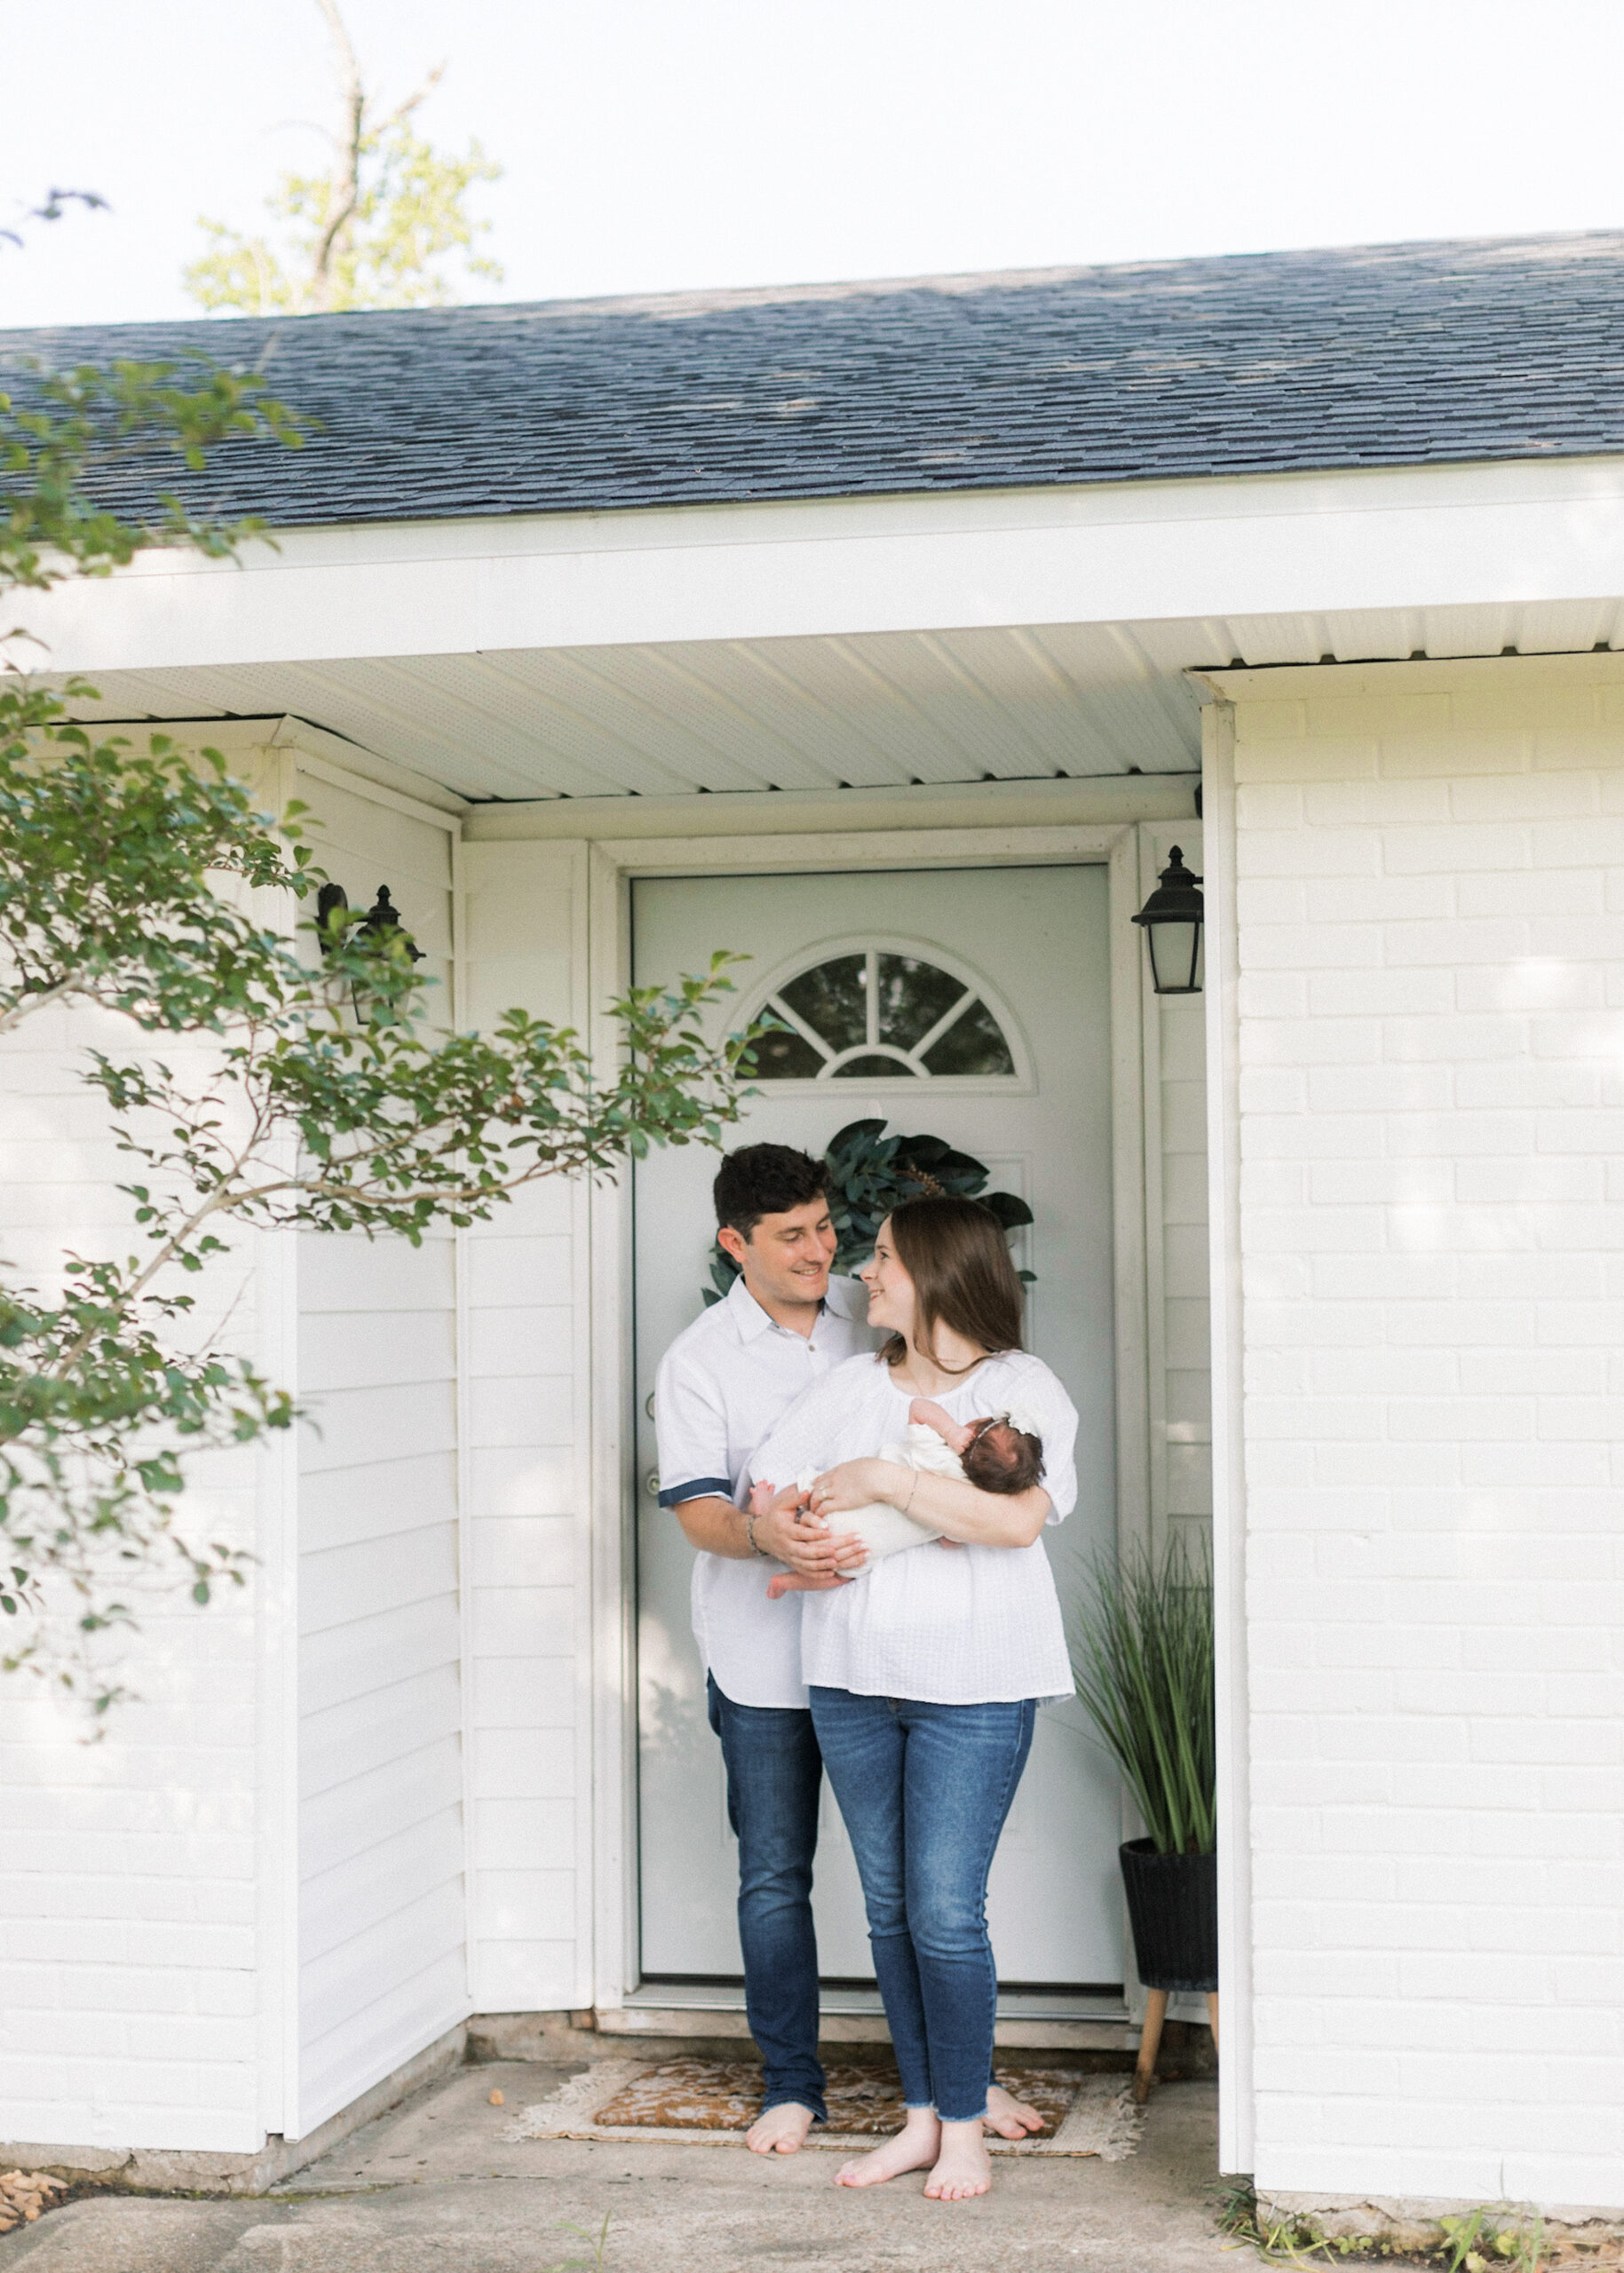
(954, 1250)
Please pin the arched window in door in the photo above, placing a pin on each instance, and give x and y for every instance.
(876, 1014)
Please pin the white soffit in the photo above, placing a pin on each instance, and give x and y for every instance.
(875, 710)
(863, 711)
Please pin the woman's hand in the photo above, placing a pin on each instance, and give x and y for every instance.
(859, 1484)
(786, 1530)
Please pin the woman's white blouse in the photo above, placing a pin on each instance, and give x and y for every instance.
(943, 1624)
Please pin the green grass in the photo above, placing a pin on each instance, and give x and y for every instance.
(1495, 2237)
(599, 2242)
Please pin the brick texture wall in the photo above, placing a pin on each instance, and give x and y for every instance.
(1429, 866)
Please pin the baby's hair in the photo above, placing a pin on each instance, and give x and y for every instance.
(1003, 1458)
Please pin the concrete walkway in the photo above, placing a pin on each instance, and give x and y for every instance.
(432, 2188)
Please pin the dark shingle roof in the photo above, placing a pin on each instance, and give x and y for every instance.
(1372, 356)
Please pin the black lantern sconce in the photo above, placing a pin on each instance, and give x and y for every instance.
(1172, 919)
(381, 921)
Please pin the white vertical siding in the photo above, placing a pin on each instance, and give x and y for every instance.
(129, 1919)
(1430, 874)
(382, 1931)
(528, 1329)
(1180, 1400)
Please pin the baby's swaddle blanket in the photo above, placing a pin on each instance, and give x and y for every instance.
(885, 1529)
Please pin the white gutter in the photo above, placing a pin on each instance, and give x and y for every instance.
(1286, 545)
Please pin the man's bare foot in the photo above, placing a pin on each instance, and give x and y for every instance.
(1010, 2118)
(781, 2130)
(916, 2146)
(963, 2167)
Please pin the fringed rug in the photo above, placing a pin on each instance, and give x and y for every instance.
(713, 2103)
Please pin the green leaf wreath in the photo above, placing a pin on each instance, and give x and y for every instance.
(869, 1175)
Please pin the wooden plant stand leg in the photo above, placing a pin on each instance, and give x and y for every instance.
(1149, 2043)
(1212, 2014)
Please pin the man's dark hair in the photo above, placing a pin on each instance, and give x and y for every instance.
(761, 1180)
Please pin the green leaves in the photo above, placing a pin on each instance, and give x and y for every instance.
(368, 231)
(64, 435)
(108, 869)
(410, 211)
(1143, 1655)
(1506, 2235)
(307, 1090)
(109, 863)
(871, 1173)
(302, 1089)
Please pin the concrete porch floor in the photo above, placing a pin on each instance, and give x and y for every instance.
(431, 2188)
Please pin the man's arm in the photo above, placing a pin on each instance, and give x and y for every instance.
(717, 1525)
(691, 1427)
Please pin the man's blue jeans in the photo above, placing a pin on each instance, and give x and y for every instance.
(924, 1790)
(774, 1780)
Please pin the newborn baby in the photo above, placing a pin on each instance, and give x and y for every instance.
(996, 1456)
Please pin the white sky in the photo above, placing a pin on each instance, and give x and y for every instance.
(650, 144)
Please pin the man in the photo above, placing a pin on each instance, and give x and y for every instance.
(721, 1388)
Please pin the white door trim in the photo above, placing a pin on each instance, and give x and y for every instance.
(614, 863)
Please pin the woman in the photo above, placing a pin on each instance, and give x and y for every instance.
(925, 1674)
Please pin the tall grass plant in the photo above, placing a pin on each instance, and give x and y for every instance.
(1143, 1655)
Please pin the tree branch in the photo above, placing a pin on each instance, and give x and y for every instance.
(352, 105)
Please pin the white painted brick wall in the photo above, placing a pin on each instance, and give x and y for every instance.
(1431, 1064)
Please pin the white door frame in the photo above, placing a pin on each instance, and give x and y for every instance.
(614, 864)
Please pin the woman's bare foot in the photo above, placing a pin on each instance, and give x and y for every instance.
(1010, 2118)
(963, 2167)
(916, 2146)
(780, 2130)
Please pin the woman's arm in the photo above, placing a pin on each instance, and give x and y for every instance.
(783, 1531)
(952, 1506)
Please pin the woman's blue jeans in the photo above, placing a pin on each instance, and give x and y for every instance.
(924, 1790)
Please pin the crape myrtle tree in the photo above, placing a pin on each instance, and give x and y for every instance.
(370, 229)
(255, 1078)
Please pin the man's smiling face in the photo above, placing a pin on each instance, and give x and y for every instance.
(787, 1258)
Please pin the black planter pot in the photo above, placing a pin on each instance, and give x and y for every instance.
(1173, 1908)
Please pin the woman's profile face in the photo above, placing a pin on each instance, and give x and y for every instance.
(890, 1290)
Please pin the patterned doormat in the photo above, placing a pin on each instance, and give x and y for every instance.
(713, 2103)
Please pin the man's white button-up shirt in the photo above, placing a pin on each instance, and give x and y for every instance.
(725, 1382)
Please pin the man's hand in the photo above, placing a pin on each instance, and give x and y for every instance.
(790, 1535)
